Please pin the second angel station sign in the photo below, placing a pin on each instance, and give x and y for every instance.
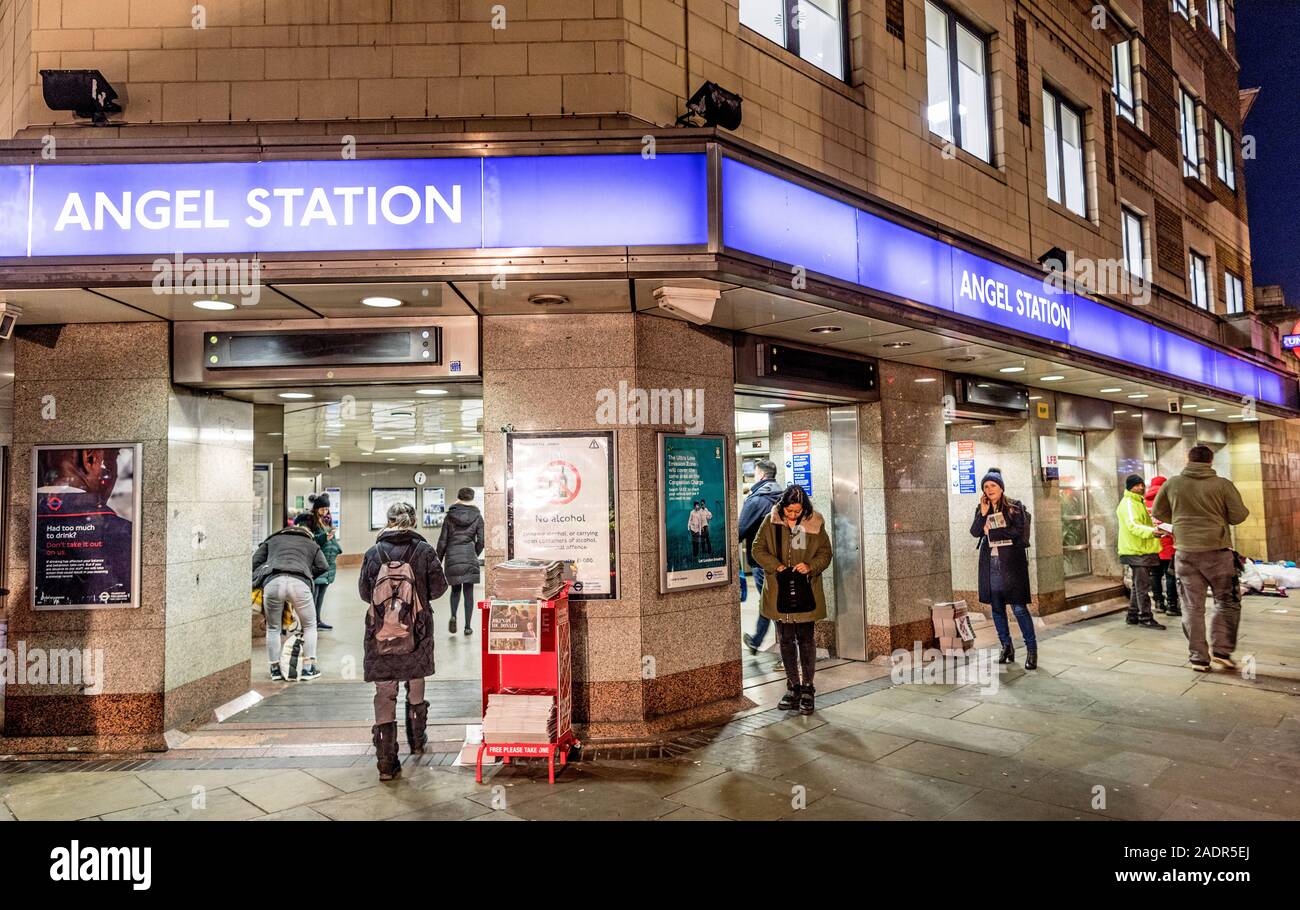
(561, 504)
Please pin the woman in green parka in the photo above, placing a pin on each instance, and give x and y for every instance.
(794, 550)
(326, 535)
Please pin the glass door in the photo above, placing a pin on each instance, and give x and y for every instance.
(1074, 504)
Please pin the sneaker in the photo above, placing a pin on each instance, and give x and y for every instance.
(276, 675)
(451, 626)
(1150, 623)
(749, 643)
(310, 671)
(1130, 620)
(1226, 662)
(789, 701)
(324, 628)
(1199, 666)
(806, 700)
(469, 628)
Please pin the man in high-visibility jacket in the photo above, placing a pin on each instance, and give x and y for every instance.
(1139, 549)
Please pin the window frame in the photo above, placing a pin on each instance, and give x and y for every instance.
(1183, 8)
(1232, 283)
(1127, 213)
(1188, 134)
(790, 36)
(953, 19)
(1225, 161)
(1061, 102)
(1129, 113)
(1195, 259)
(1214, 18)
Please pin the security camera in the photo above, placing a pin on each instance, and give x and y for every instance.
(1175, 405)
(9, 314)
(84, 92)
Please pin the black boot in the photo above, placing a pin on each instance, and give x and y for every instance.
(789, 701)
(1031, 658)
(416, 719)
(806, 700)
(1008, 655)
(385, 739)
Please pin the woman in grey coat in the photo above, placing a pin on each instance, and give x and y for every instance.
(459, 547)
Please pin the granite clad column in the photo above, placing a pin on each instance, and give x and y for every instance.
(905, 555)
(185, 649)
(643, 662)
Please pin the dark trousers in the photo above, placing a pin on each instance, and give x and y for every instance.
(320, 600)
(1023, 619)
(1139, 601)
(760, 627)
(798, 653)
(1164, 586)
(465, 590)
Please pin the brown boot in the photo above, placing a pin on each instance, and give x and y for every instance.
(385, 739)
(416, 719)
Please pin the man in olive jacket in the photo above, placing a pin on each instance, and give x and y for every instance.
(1202, 506)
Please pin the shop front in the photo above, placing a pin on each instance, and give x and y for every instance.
(571, 281)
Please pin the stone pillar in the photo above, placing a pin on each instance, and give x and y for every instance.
(1245, 453)
(905, 538)
(185, 649)
(545, 373)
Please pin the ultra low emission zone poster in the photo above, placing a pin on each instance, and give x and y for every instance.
(694, 526)
(560, 503)
(85, 535)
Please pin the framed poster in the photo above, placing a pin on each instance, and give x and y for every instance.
(336, 507)
(695, 533)
(383, 497)
(434, 502)
(561, 504)
(85, 526)
(262, 488)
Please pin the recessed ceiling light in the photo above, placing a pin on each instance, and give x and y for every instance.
(1139, 395)
(296, 396)
(895, 345)
(1035, 397)
(825, 330)
(1190, 407)
(1117, 413)
(926, 379)
(983, 385)
(965, 358)
(274, 434)
(431, 391)
(1208, 410)
(1110, 390)
(771, 407)
(322, 447)
(548, 300)
(1012, 370)
(1053, 378)
(381, 302)
(213, 305)
(1189, 423)
(387, 438)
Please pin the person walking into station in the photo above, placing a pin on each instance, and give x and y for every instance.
(1203, 507)
(459, 546)
(326, 535)
(794, 550)
(764, 494)
(1001, 524)
(1139, 549)
(1164, 586)
(287, 563)
(400, 578)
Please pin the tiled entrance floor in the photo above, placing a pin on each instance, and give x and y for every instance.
(1112, 726)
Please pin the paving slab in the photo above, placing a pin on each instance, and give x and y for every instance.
(214, 806)
(989, 772)
(740, 796)
(989, 805)
(917, 795)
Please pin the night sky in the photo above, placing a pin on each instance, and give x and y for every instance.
(1268, 46)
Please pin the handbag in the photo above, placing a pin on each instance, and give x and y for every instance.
(794, 593)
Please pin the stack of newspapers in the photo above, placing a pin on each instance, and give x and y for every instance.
(519, 719)
(527, 579)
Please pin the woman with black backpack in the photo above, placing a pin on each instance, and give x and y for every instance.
(400, 579)
(793, 549)
(1002, 526)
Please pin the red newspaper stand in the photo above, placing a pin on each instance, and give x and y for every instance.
(549, 672)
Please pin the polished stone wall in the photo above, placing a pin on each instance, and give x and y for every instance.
(645, 660)
(1245, 453)
(1279, 448)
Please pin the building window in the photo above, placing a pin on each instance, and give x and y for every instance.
(956, 59)
(1214, 18)
(1063, 144)
(1135, 258)
(1224, 146)
(1121, 60)
(812, 29)
(1234, 298)
(1197, 286)
(1187, 128)
(1181, 6)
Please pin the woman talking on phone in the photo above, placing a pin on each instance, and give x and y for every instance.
(1001, 524)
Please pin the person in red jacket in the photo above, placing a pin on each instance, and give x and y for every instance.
(1164, 585)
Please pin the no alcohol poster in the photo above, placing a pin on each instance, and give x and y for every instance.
(560, 502)
(86, 536)
(694, 530)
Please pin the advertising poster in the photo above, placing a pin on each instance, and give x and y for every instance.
(85, 532)
(383, 497)
(336, 508)
(261, 503)
(694, 521)
(435, 506)
(514, 627)
(560, 505)
(798, 459)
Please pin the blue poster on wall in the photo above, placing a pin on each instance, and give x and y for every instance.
(695, 527)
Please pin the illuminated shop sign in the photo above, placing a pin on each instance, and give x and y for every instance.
(766, 216)
(374, 204)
